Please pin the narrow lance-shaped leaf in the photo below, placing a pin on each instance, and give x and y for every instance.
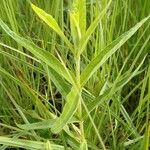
(27, 144)
(108, 51)
(83, 145)
(82, 16)
(38, 125)
(45, 124)
(44, 56)
(74, 26)
(59, 82)
(90, 30)
(78, 20)
(51, 22)
(69, 109)
(117, 85)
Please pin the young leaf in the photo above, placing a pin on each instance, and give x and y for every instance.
(51, 22)
(78, 20)
(74, 25)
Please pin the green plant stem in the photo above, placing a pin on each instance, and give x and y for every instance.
(79, 91)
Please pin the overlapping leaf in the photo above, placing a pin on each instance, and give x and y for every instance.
(44, 56)
(69, 109)
(108, 51)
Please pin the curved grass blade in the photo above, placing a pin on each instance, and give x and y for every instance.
(10, 56)
(145, 141)
(44, 56)
(5, 74)
(108, 51)
(18, 51)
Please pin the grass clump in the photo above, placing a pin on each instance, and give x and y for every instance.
(74, 75)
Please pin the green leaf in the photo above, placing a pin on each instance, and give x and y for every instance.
(51, 22)
(119, 83)
(44, 56)
(82, 16)
(100, 59)
(27, 144)
(78, 20)
(74, 26)
(145, 141)
(46, 124)
(29, 91)
(59, 82)
(83, 145)
(5, 74)
(90, 30)
(68, 111)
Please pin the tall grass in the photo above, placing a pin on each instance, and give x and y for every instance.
(74, 74)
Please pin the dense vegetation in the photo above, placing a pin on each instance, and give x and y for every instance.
(74, 74)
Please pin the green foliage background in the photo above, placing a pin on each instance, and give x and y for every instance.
(74, 74)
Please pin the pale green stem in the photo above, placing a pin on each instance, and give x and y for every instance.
(79, 90)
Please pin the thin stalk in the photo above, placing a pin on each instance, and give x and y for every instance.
(79, 92)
